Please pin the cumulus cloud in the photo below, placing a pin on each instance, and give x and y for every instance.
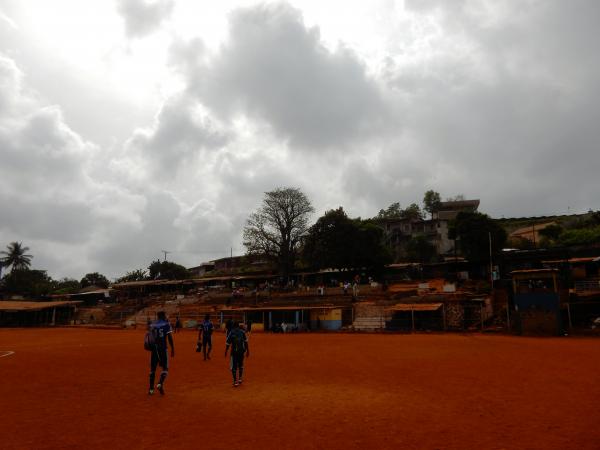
(143, 17)
(498, 102)
(494, 101)
(180, 132)
(58, 194)
(274, 68)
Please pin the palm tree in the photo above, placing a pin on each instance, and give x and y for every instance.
(16, 257)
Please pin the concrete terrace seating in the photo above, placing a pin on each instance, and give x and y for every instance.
(369, 323)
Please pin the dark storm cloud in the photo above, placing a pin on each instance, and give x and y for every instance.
(59, 197)
(40, 170)
(276, 69)
(47, 219)
(124, 247)
(510, 119)
(143, 17)
(40, 156)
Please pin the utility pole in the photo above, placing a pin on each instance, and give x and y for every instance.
(165, 252)
(491, 266)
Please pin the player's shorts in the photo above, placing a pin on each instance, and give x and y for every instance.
(207, 340)
(160, 357)
(236, 361)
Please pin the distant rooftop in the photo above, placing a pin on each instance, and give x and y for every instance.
(459, 205)
(449, 210)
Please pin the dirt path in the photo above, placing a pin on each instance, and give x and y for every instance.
(73, 388)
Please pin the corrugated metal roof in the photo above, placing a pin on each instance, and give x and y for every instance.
(279, 308)
(417, 307)
(574, 260)
(533, 271)
(10, 306)
(151, 283)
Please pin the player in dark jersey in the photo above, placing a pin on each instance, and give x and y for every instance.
(205, 336)
(161, 330)
(228, 327)
(238, 341)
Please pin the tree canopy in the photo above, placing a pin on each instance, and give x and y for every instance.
(473, 230)
(276, 228)
(336, 241)
(420, 249)
(167, 270)
(15, 257)
(133, 275)
(394, 211)
(32, 283)
(431, 201)
(94, 279)
(66, 286)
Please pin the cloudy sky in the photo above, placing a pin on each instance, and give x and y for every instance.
(128, 127)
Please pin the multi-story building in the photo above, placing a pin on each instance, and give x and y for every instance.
(400, 231)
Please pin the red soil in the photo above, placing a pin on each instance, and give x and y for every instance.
(79, 388)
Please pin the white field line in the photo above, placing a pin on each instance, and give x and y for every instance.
(4, 353)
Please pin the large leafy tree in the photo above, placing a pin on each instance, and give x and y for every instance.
(412, 212)
(330, 241)
(167, 270)
(369, 247)
(394, 211)
(27, 282)
(420, 249)
(336, 241)
(276, 228)
(473, 229)
(431, 201)
(15, 256)
(94, 279)
(66, 286)
(134, 275)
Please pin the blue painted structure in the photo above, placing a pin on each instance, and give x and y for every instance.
(537, 301)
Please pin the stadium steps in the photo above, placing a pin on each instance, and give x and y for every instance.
(369, 323)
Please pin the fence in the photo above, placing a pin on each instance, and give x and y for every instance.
(587, 286)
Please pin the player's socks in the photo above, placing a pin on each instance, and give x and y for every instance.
(163, 377)
(161, 383)
(152, 375)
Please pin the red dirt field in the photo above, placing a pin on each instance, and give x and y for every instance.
(84, 388)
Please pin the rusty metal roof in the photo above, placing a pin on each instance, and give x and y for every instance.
(417, 307)
(13, 306)
(574, 260)
(279, 308)
(533, 271)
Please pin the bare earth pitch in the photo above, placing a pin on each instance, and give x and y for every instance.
(73, 388)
